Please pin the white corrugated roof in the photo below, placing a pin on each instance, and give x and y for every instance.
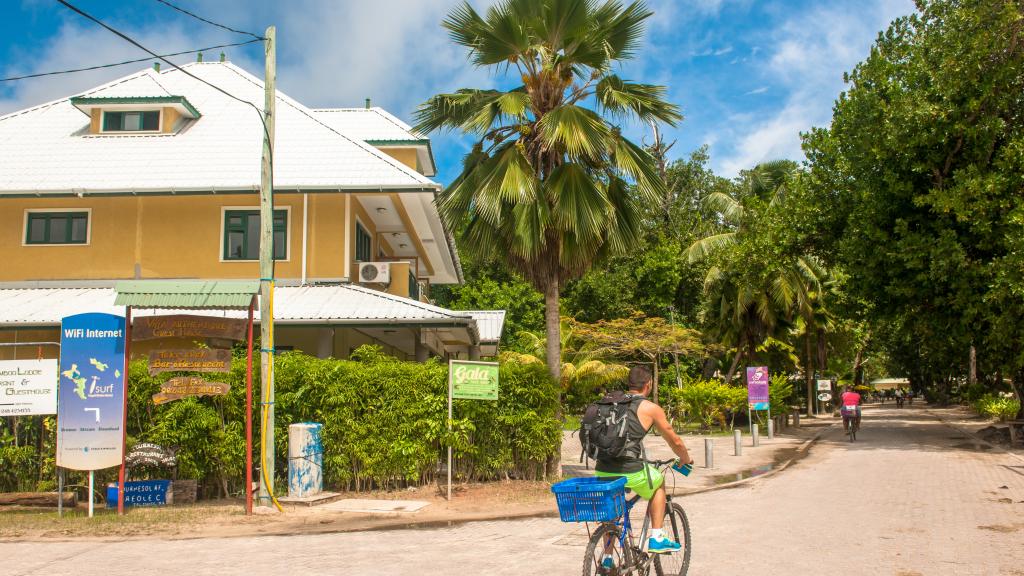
(337, 304)
(374, 124)
(47, 149)
(491, 323)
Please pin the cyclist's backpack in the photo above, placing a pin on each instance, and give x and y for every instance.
(604, 428)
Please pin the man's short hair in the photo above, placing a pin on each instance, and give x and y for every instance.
(639, 376)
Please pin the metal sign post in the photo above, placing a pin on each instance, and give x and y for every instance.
(469, 380)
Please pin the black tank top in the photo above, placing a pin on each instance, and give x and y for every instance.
(634, 431)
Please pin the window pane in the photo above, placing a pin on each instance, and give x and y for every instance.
(36, 229)
(252, 248)
(112, 120)
(132, 121)
(79, 225)
(280, 245)
(234, 221)
(58, 230)
(151, 120)
(235, 245)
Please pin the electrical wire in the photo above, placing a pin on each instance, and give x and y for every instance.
(211, 23)
(136, 61)
(266, 131)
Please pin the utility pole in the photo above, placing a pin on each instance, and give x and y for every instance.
(267, 274)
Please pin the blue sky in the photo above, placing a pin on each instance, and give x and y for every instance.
(749, 76)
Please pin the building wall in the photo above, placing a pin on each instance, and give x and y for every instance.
(172, 237)
(406, 156)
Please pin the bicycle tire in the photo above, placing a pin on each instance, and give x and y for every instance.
(677, 527)
(622, 555)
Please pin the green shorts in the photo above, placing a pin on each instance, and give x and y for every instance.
(637, 481)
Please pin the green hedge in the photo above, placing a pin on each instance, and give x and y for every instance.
(997, 406)
(383, 422)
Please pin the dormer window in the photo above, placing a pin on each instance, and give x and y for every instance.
(135, 121)
(142, 115)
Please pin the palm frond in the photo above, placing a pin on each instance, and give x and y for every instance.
(645, 101)
(705, 247)
(730, 208)
(576, 130)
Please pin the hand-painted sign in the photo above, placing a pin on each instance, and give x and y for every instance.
(757, 387)
(28, 387)
(90, 397)
(189, 360)
(149, 454)
(142, 493)
(825, 385)
(178, 388)
(473, 380)
(186, 326)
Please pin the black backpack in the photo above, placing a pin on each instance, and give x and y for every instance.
(604, 428)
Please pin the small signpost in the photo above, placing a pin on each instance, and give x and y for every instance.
(469, 380)
(757, 392)
(184, 386)
(188, 326)
(28, 387)
(91, 400)
(824, 386)
(189, 360)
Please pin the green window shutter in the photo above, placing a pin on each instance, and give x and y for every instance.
(242, 234)
(112, 121)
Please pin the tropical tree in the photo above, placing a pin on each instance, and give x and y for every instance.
(551, 184)
(756, 283)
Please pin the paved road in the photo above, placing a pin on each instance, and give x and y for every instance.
(911, 497)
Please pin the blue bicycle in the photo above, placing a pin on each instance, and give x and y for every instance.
(613, 550)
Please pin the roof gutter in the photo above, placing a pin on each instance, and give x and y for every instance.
(279, 189)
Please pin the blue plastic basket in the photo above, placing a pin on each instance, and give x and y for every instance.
(590, 499)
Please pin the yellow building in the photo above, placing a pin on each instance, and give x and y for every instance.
(156, 176)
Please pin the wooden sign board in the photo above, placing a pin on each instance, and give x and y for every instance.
(188, 326)
(184, 386)
(149, 454)
(189, 360)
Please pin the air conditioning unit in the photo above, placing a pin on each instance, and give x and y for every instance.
(374, 272)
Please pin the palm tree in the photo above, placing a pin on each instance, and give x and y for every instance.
(580, 364)
(754, 301)
(551, 185)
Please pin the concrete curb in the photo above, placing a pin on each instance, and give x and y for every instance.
(976, 438)
(801, 452)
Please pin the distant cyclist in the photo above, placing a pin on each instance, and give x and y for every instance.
(850, 408)
(642, 478)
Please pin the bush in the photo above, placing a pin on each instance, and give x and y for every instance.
(18, 468)
(703, 400)
(997, 406)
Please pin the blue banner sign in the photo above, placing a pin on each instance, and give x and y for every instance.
(141, 493)
(90, 393)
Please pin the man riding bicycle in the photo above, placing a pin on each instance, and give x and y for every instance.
(642, 478)
(850, 403)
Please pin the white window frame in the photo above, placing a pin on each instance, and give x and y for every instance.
(160, 122)
(24, 226)
(287, 231)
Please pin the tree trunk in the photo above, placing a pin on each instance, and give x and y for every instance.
(809, 375)
(553, 329)
(858, 368)
(654, 385)
(740, 349)
(1018, 389)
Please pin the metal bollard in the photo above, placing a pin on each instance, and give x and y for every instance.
(756, 436)
(796, 418)
(709, 453)
(737, 442)
(771, 428)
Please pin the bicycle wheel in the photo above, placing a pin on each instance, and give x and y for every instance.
(607, 541)
(677, 527)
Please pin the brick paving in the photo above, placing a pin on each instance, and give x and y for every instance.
(912, 497)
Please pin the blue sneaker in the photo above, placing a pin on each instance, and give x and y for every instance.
(662, 546)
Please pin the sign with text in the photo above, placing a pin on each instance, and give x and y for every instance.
(28, 387)
(90, 396)
(150, 454)
(141, 493)
(473, 380)
(183, 386)
(188, 326)
(825, 385)
(757, 387)
(189, 360)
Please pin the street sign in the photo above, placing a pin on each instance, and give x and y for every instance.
(189, 360)
(141, 493)
(188, 326)
(757, 387)
(90, 396)
(825, 385)
(473, 380)
(28, 387)
(824, 396)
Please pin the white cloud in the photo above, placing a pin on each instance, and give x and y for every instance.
(806, 59)
(760, 90)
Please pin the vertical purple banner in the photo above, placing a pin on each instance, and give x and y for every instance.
(90, 393)
(757, 387)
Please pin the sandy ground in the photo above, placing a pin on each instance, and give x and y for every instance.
(912, 497)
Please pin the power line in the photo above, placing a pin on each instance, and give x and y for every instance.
(13, 78)
(211, 23)
(266, 131)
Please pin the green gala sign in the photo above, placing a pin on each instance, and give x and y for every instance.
(473, 380)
